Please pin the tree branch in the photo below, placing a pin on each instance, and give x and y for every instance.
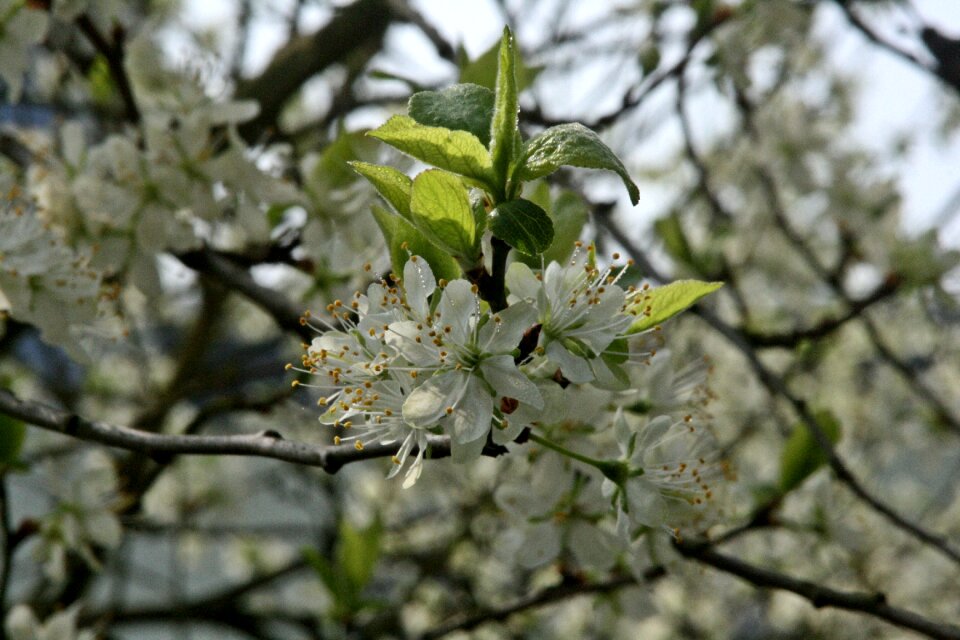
(266, 444)
(113, 53)
(357, 27)
(236, 278)
(873, 604)
(826, 326)
(777, 387)
(562, 591)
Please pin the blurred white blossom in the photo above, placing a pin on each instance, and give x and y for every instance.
(22, 624)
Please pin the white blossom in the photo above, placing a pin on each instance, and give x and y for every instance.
(581, 311)
(22, 624)
(84, 517)
(21, 29)
(672, 469)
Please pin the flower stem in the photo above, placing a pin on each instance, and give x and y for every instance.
(606, 467)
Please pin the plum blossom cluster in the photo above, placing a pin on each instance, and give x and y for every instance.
(43, 281)
(422, 356)
(184, 178)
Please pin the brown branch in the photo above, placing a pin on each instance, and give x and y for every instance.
(826, 326)
(408, 13)
(113, 53)
(358, 27)
(285, 313)
(946, 73)
(265, 444)
(833, 278)
(910, 377)
(873, 604)
(777, 387)
(562, 591)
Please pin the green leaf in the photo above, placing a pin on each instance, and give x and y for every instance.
(574, 145)
(102, 87)
(404, 239)
(339, 589)
(568, 213)
(523, 225)
(456, 151)
(462, 107)
(393, 185)
(802, 455)
(357, 552)
(441, 209)
(12, 434)
(505, 145)
(662, 303)
(921, 261)
(483, 70)
(674, 239)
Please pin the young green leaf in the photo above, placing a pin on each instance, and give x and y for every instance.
(404, 239)
(12, 434)
(357, 552)
(393, 185)
(462, 107)
(568, 213)
(441, 210)
(802, 455)
(574, 145)
(662, 303)
(483, 69)
(456, 151)
(339, 589)
(505, 143)
(522, 225)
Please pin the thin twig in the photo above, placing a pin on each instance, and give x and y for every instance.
(113, 53)
(778, 387)
(826, 326)
(563, 591)
(265, 444)
(7, 546)
(236, 278)
(873, 604)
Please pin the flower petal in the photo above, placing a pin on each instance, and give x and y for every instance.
(510, 382)
(418, 284)
(473, 413)
(429, 402)
(466, 451)
(647, 505)
(574, 368)
(522, 283)
(456, 309)
(505, 335)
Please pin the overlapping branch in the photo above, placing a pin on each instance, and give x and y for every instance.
(265, 444)
(873, 604)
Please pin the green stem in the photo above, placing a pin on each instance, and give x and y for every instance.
(605, 466)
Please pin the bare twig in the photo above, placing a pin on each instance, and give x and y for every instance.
(563, 591)
(870, 34)
(285, 312)
(266, 444)
(873, 604)
(405, 11)
(826, 326)
(113, 53)
(357, 27)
